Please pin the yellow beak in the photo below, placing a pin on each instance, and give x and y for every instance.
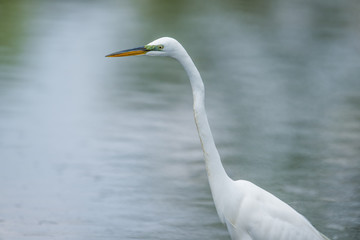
(129, 52)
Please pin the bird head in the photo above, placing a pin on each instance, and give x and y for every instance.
(165, 46)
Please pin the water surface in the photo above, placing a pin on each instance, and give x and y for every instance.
(97, 148)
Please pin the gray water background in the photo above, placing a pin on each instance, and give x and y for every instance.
(98, 148)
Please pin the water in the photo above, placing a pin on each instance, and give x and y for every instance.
(97, 148)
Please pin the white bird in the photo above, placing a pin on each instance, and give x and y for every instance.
(248, 211)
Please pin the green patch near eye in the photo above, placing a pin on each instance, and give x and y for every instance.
(149, 47)
(154, 47)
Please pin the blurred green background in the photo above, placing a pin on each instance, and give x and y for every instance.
(98, 148)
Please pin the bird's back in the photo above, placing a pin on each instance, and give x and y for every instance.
(260, 215)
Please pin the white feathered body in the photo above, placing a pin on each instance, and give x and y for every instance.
(249, 212)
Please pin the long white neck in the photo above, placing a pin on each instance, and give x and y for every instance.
(215, 170)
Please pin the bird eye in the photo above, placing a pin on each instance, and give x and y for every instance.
(161, 47)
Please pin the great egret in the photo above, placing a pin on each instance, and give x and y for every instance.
(248, 211)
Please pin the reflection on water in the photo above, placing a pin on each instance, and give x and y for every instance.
(92, 148)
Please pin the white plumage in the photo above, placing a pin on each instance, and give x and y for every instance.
(248, 211)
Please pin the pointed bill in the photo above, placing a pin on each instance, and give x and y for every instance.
(129, 52)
